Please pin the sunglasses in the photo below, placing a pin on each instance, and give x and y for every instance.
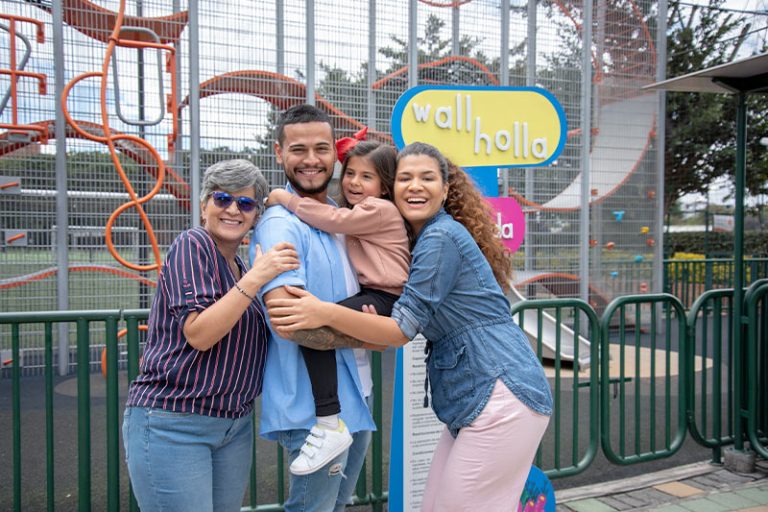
(224, 199)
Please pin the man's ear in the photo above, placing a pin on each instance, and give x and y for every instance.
(278, 153)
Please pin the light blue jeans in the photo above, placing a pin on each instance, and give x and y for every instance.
(184, 461)
(329, 488)
(355, 460)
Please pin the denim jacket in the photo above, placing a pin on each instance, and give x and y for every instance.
(453, 299)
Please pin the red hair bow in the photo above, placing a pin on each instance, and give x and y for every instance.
(343, 145)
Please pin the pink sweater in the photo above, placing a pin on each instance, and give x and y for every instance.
(377, 242)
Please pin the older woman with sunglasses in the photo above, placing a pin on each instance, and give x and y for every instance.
(187, 426)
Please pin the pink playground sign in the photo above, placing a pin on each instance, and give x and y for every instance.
(510, 219)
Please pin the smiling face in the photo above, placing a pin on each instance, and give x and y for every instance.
(419, 189)
(228, 226)
(307, 155)
(360, 180)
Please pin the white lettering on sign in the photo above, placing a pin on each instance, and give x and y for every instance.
(459, 117)
(506, 231)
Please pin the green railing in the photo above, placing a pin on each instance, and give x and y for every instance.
(115, 471)
(632, 411)
(577, 454)
(659, 313)
(756, 382)
(710, 338)
(688, 279)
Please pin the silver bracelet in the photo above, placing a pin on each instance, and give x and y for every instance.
(244, 292)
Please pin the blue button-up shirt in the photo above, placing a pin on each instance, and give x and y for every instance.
(453, 299)
(287, 399)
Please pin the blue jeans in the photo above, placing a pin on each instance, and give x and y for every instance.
(184, 461)
(355, 460)
(330, 487)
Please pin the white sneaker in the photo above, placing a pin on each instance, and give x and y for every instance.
(320, 448)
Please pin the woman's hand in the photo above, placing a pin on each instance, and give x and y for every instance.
(281, 258)
(302, 311)
(278, 196)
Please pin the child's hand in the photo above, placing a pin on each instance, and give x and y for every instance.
(278, 196)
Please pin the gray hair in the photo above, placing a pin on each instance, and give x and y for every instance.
(234, 175)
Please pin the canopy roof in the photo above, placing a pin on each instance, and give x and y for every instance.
(745, 75)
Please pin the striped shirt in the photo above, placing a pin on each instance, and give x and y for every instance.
(222, 381)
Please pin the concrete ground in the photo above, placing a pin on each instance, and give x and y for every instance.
(698, 487)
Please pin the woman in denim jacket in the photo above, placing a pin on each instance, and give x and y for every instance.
(488, 386)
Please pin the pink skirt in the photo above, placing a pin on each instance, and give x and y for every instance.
(486, 466)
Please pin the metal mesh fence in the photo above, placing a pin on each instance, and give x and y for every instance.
(253, 60)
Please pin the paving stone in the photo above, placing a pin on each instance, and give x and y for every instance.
(732, 500)
(617, 502)
(759, 508)
(629, 500)
(702, 505)
(710, 482)
(670, 508)
(735, 478)
(589, 505)
(649, 496)
(679, 489)
(757, 494)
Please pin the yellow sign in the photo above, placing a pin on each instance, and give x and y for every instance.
(483, 126)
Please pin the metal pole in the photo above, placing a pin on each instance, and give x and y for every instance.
(62, 218)
(530, 80)
(586, 143)
(371, 63)
(455, 31)
(194, 110)
(413, 38)
(280, 36)
(174, 159)
(738, 269)
(142, 187)
(504, 57)
(661, 74)
(504, 81)
(310, 21)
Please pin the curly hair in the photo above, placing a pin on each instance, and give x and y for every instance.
(466, 205)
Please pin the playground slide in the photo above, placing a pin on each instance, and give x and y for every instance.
(625, 131)
(549, 333)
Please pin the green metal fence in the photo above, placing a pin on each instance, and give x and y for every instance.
(689, 279)
(756, 382)
(710, 397)
(571, 443)
(665, 377)
(85, 323)
(655, 375)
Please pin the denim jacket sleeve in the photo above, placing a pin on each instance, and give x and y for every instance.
(434, 268)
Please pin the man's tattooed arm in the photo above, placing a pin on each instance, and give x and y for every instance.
(325, 338)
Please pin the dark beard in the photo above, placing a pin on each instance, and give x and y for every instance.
(309, 191)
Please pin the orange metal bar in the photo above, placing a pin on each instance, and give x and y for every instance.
(15, 237)
(111, 139)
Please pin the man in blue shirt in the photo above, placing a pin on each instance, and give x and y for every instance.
(306, 149)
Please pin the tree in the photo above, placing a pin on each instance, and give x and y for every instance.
(348, 91)
(700, 128)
